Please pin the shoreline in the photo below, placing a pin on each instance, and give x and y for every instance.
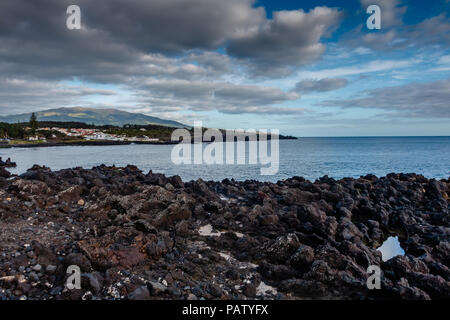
(168, 239)
(84, 143)
(98, 143)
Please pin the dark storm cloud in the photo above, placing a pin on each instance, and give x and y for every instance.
(322, 85)
(117, 36)
(291, 38)
(35, 42)
(426, 100)
(173, 25)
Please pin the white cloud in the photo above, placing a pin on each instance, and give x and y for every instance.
(370, 67)
(444, 60)
(322, 85)
(420, 100)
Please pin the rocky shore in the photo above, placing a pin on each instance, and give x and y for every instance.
(147, 236)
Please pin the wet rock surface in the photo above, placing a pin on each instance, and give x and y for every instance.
(7, 164)
(146, 236)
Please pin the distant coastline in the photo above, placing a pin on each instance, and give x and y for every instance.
(83, 143)
(100, 143)
(35, 134)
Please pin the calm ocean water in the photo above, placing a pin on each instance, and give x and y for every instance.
(308, 157)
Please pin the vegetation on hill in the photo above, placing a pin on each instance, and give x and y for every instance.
(11, 131)
(91, 115)
(161, 132)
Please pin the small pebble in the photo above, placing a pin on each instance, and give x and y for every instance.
(37, 268)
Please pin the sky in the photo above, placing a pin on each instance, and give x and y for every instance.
(307, 68)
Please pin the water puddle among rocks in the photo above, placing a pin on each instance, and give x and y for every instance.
(240, 264)
(391, 248)
(207, 231)
(264, 289)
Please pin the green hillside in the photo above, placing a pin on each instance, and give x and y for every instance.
(92, 116)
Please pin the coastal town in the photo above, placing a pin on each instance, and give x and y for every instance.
(92, 134)
(56, 133)
(46, 133)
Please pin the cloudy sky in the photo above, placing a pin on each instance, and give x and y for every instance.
(308, 68)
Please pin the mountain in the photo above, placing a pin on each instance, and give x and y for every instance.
(92, 116)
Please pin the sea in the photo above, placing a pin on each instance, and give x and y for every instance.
(310, 158)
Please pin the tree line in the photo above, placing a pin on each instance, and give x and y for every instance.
(12, 131)
(18, 130)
